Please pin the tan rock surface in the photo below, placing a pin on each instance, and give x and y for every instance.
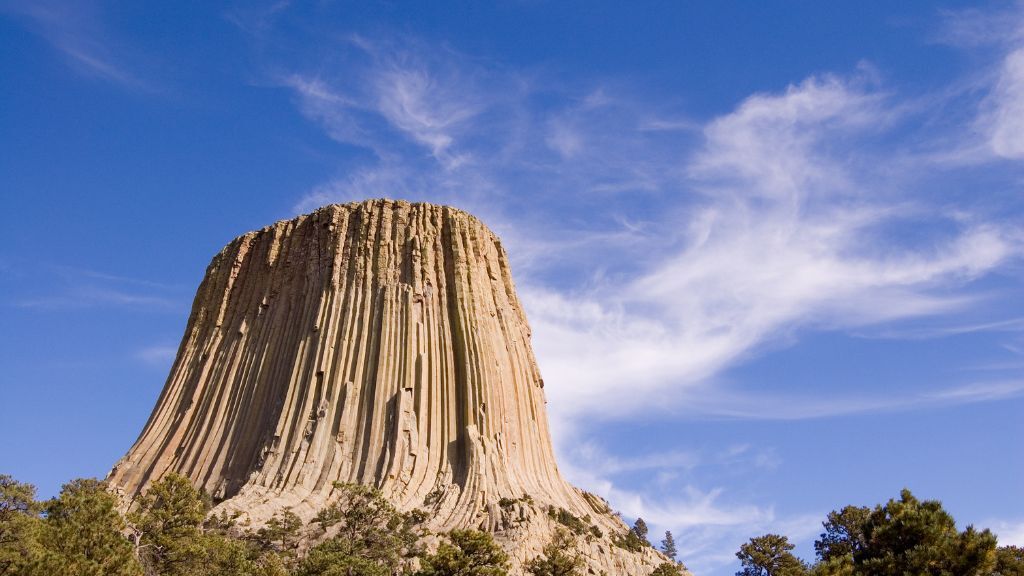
(379, 342)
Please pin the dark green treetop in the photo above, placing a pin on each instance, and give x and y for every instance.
(668, 546)
(466, 553)
(769, 555)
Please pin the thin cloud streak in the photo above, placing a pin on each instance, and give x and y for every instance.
(74, 30)
(708, 525)
(157, 355)
(72, 287)
(91, 296)
(752, 405)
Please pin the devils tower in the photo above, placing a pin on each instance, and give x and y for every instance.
(379, 343)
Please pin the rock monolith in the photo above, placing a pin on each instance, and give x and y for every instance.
(380, 343)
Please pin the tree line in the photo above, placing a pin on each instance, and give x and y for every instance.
(169, 531)
(902, 537)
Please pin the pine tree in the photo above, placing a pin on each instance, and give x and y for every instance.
(908, 536)
(19, 526)
(1010, 561)
(769, 555)
(369, 536)
(844, 533)
(82, 534)
(559, 558)
(466, 553)
(167, 526)
(668, 545)
(640, 528)
(281, 535)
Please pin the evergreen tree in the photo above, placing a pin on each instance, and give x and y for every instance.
(844, 533)
(466, 553)
(769, 555)
(559, 558)
(668, 569)
(1010, 561)
(668, 545)
(640, 528)
(82, 534)
(907, 536)
(19, 526)
(368, 536)
(281, 535)
(171, 540)
(167, 528)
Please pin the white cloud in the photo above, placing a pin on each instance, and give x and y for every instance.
(1009, 533)
(777, 222)
(1006, 117)
(74, 30)
(427, 101)
(71, 287)
(90, 296)
(157, 355)
(708, 525)
(720, 402)
(789, 237)
(998, 33)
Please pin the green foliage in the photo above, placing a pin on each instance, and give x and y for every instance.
(907, 536)
(559, 558)
(167, 526)
(769, 555)
(577, 525)
(634, 539)
(82, 534)
(903, 537)
(844, 533)
(508, 503)
(628, 540)
(668, 569)
(668, 546)
(219, 555)
(640, 528)
(280, 535)
(369, 537)
(173, 540)
(466, 553)
(842, 566)
(19, 526)
(1010, 561)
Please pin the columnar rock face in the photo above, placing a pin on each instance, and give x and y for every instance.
(380, 343)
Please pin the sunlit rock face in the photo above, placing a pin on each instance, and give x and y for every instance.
(380, 343)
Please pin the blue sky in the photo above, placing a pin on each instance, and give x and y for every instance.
(771, 253)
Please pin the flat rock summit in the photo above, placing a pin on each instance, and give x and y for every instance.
(380, 343)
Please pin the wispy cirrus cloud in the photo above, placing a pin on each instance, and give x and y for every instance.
(722, 402)
(1003, 118)
(708, 524)
(789, 236)
(158, 355)
(770, 220)
(1000, 34)
(1010, 533)
(406, 93)
(75, 30)
(62, 287)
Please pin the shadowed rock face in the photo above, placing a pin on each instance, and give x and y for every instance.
(381, 343)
